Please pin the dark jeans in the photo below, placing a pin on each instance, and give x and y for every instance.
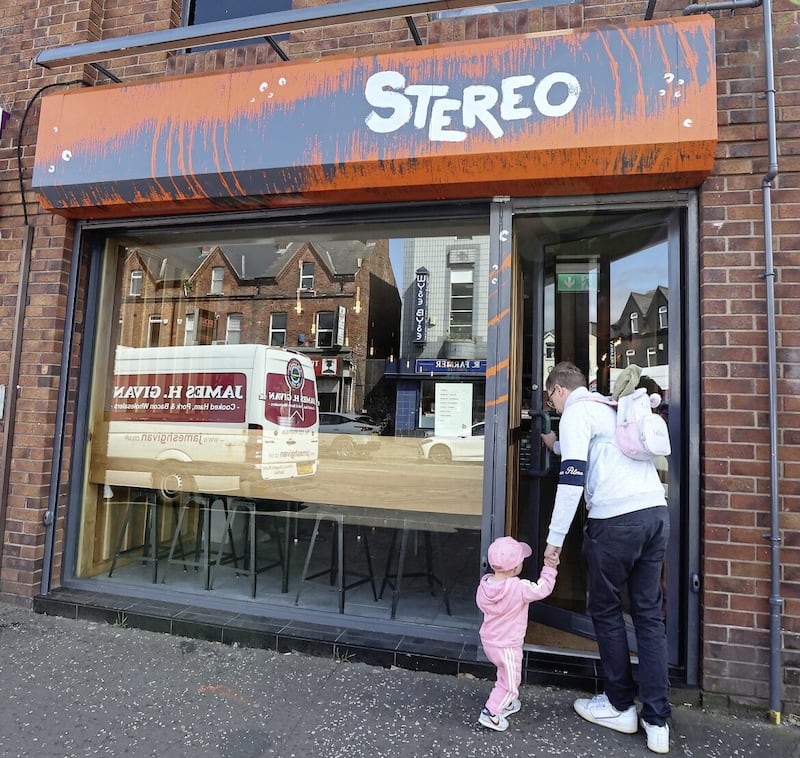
(629, 550)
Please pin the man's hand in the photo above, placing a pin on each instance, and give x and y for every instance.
(552, 556)
(548, 440)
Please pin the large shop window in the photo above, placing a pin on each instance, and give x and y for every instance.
(298, 437)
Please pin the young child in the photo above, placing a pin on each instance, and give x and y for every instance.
(504, 597)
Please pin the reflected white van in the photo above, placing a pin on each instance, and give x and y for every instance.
(207, 418)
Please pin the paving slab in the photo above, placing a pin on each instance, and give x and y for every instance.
(77, 688)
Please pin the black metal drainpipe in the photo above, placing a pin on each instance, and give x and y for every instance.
(774, 537)
(16, 353)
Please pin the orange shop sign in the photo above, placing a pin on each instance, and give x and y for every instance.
(607, 109)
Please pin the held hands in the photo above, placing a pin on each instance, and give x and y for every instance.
(552, 556)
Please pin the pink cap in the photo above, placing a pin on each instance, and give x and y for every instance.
(506, 553)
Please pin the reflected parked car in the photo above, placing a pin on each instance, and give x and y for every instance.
(348, 434)
(466, 447)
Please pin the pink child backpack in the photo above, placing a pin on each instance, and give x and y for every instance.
(640, 433)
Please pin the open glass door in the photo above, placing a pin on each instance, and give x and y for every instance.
(594, 290)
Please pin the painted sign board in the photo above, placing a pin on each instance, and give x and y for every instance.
(450, 366)
(420, 314)
(577, 282)
(606, 109)
(326, 366)
(453, 409)
(291, 398)
(179, 397)
(341, 313)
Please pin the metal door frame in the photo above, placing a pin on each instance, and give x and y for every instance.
(683, 583)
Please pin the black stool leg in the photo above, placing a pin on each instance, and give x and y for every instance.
(122, 531)
(152, 519)
(340, 565)
(429, 562)
(308, 559)
(251, 517)
(178, 526)
(365, 543)
(287, 545)
(389, 557)
(400, 566)
(445, 591)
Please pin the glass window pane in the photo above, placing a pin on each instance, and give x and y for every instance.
(277, 329)
(307, 276)
(217, 277)
(512, 7)
(204, 431)
(207, 11)
(136, 282)
(324, 329)
(590, 282)
(233, 335)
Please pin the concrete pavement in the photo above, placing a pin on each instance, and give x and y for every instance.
(76, 688)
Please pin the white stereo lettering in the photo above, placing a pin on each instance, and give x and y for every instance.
(429, 107)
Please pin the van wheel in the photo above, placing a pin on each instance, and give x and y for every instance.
(344, 448)
(170, 482)
(440, 454)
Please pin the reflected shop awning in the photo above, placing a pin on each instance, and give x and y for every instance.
(611, 109)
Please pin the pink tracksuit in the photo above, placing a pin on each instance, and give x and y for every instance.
(505, 620)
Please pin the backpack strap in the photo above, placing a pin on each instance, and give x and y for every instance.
(596, 397)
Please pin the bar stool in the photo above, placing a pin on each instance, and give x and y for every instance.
(432, 547)
(337, 566)
(200, 556)
(151, 546)
(250, 567)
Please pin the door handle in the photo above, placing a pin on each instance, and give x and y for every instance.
(536, 440)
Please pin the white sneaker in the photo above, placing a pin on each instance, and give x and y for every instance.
(599, 711)
(499, 723)
(511, 708)
(657, 736)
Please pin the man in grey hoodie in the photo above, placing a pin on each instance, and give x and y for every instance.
(624, 544)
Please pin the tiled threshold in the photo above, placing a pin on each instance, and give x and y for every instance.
(337, 642)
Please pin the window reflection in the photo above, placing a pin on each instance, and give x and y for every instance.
(605, 300)
(267, 408)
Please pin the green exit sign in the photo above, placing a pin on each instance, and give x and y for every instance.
(577, 282)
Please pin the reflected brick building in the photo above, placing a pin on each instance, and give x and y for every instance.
(323, 299)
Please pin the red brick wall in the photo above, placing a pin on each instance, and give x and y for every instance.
(735, 451)
(734, 437)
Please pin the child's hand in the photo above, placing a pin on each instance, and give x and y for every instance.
(552, 562)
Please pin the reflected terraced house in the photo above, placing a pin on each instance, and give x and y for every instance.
(319, 298)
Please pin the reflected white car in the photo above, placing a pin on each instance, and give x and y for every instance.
(348, 434)
(466, 447)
